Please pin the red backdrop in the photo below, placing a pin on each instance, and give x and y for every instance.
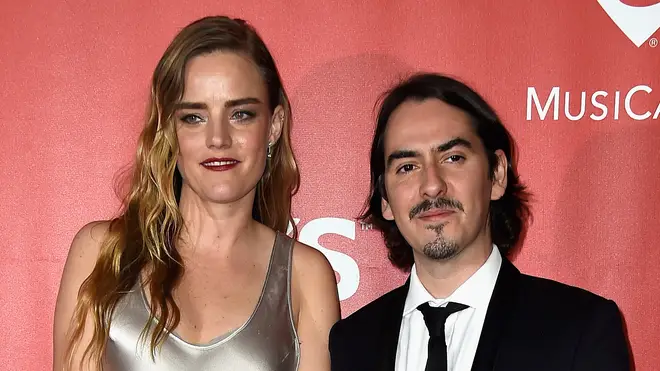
(573, 80)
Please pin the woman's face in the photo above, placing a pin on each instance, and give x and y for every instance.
(224, 126)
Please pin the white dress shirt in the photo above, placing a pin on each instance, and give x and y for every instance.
(462, 329)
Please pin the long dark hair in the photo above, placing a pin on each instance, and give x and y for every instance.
(508, 216)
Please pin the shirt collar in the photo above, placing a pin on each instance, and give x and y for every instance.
(475, 292)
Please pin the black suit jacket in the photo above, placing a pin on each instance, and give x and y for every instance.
(532, 324)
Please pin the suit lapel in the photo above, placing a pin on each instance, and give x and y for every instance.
(497, 317)
(390, 328)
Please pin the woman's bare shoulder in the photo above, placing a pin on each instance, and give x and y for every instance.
(87, 242)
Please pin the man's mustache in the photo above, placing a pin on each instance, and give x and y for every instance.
(438, 203)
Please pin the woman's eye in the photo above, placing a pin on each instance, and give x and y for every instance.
(191, 119)
(242, 115)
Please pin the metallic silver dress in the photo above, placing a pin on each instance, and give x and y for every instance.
(266, 342)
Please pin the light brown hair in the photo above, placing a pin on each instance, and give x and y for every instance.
(141, 241)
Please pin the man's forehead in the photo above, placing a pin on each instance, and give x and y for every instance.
(417, 124)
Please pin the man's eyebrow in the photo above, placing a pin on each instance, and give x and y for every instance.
(455, 142)
(401, 153)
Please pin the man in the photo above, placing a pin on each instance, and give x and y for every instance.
(446, 196)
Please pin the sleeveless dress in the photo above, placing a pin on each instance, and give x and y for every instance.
(267, 341)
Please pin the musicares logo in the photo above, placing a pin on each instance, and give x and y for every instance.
(636, 22)
(602, 104)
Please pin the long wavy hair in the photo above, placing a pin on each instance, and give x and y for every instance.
(508, 216)
(143, 237)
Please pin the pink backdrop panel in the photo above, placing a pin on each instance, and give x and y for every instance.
(576, 82)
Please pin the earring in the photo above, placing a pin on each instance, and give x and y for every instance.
(270, 150)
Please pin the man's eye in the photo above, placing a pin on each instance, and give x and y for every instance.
(405, 168)
(455, 158)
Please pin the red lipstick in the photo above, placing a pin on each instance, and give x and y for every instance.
(219, 164)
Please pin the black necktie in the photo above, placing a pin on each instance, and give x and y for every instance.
(435, 321)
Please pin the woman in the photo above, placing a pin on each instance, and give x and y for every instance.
(197, 272)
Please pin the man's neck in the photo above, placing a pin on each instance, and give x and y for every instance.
(442, 278)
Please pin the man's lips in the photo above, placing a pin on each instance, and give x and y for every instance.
(435, 214)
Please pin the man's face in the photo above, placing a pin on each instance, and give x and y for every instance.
(437, 179)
